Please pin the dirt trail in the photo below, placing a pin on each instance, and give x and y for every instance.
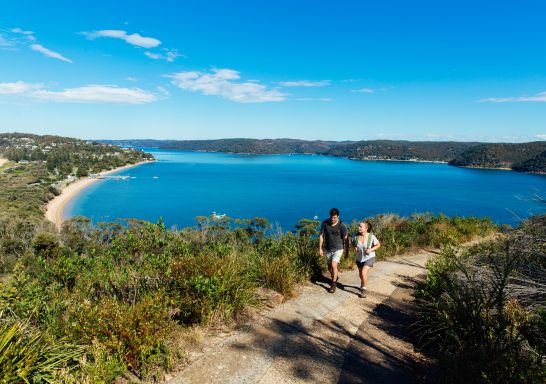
(319, 337)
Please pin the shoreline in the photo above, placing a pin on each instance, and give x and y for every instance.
(399, 160)
(55, 207)
(488, 168)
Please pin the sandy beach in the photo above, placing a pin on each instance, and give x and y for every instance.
(54, 208)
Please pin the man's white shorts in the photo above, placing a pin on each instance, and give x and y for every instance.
(334, 256)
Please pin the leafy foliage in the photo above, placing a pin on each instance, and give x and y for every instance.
(484, 309)
(399, 234)
(25, 355)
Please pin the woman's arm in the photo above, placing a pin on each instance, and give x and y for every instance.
(375, 247)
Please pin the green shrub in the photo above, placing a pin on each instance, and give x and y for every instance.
(136, 334)
(26, 356)
(481, 312)
(399, 235)
(121, 288)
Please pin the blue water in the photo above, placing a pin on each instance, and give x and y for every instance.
(286, 188)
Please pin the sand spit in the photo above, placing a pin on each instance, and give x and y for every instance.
(54, 208)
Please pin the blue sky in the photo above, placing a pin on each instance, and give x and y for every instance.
(344, 70)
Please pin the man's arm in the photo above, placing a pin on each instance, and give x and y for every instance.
(320, 242)
(345, 234)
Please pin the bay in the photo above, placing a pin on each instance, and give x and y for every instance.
(285, 188)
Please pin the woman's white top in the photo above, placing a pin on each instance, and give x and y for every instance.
(361, 246)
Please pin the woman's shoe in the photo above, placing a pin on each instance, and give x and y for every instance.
(362, 292)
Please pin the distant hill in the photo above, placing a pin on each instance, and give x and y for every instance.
(401, 150)
(535, 164)
(504, 155)
(524, 157)
(253, 146)
(363, 150)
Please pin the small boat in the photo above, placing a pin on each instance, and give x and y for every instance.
(155, 177)
(216, 216)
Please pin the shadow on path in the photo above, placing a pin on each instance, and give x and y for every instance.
(382, 350)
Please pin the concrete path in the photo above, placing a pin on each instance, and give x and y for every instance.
(317, 337)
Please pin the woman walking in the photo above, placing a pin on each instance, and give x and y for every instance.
(365, 245)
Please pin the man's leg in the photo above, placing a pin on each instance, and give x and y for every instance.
(334, 271)
(333, 274)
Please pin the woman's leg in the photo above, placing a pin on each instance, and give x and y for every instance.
(361, 275)
(364, 277)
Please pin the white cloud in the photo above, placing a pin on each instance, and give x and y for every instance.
(541, 137)
(17, 88)
(110, 94)
(19, 30)
(304, 83)
(163, 90)
(97, 94)
(169, 56)
(540, 97)
(132, 79)
(222, 82)
(49, 53)
(29, 35)
(363, 90)
(155, 56)
(5, 42)
(133, 39)
(172, 54)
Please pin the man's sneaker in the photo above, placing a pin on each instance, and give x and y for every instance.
(332, 287)
(362, 292)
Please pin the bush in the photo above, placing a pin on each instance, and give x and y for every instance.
(399, 235)
(135, 335)
(483, 310)
(26, 356)
(120, 288)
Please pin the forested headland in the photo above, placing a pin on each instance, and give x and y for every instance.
(521, 157)
(93, 303)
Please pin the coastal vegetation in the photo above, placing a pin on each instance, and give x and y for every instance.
(122, 292)
(535, 164)
(93, 302)
(482, 311)
(250, 146)
(523, 157)
(401, 150)
(65, 156)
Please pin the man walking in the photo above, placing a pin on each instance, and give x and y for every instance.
(334, 237)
